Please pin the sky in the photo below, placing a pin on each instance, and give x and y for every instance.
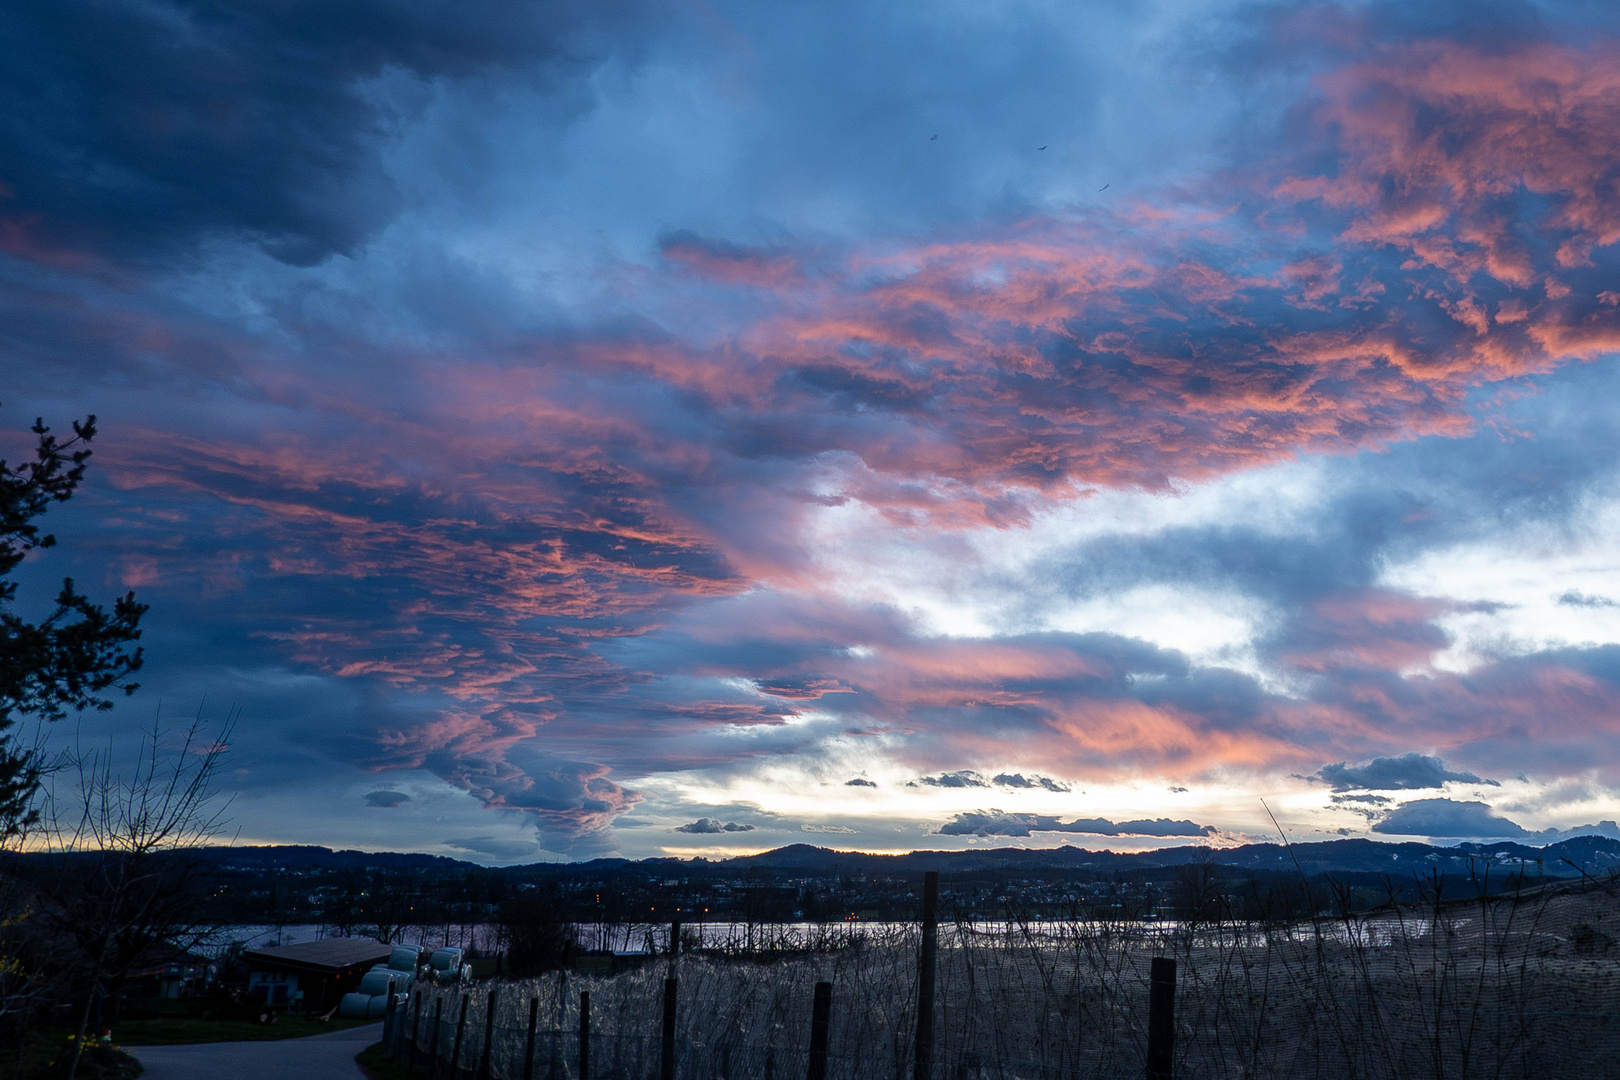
(688, 428)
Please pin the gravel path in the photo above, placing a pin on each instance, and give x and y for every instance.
(319, 1057)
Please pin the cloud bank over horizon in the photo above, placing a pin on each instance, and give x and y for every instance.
(1406, 772)
(564, 426)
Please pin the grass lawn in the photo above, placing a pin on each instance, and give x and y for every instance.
(374, 1065)
(168, 1030)
(43, 1056)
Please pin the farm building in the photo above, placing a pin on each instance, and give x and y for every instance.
(312, 976)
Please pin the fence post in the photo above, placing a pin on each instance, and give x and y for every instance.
(388, 1023)
(416, 1031)
(675, 936)
(554, 1058)
(584, 1035)
(927, 962)
(820, 1020)
(666, 1069)
(461, 1029)
(528, 1047)
(433, 1040)
(489, 1036)
(1161, 1019)
(401, 1015)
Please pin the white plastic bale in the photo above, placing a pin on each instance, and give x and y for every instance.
(375, 982)
(355, 1006)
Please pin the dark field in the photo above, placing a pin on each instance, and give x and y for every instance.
(1494, 987)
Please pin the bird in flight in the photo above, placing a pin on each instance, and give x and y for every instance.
(1106, 186)
(1040, 148)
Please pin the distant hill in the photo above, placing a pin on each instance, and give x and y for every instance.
(350, 890)
(1568, 858)
(309, 856)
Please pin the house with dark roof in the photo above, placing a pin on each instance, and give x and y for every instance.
(167, 972)
(312, 976)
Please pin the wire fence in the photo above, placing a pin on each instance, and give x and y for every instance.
(1499, 987)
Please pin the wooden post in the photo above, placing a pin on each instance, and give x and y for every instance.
(528, 1047)
(554, 1058)
(461, 1029)
(675, 936)
(433, 1040)
(927, 962)
(584, 1035)
(397, 1047)
(388, 1023)
(416, 1031)
(666, 1069)
(1161, 1019)
(820, 1021)
(489, 1037)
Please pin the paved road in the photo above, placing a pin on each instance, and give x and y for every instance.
(319, 1057)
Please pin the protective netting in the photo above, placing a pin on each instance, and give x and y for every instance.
(1500, 987)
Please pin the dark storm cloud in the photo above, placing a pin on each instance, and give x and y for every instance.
(713, 826)
(1450, 818)
(386, 799)
(965, 778)
(1018, 780)
(138, 128)
(1408, 771)
(1447, 817)
(571, 802)
(1573, 598)
(998, 823)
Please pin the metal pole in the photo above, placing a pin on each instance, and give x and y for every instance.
(584, 1035)
(1161, 1019)
(528, 1047)
(667, 1062)
(820, 1020)
(927, 962)
(489, 1037)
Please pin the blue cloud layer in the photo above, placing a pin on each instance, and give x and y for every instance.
(550, 401)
